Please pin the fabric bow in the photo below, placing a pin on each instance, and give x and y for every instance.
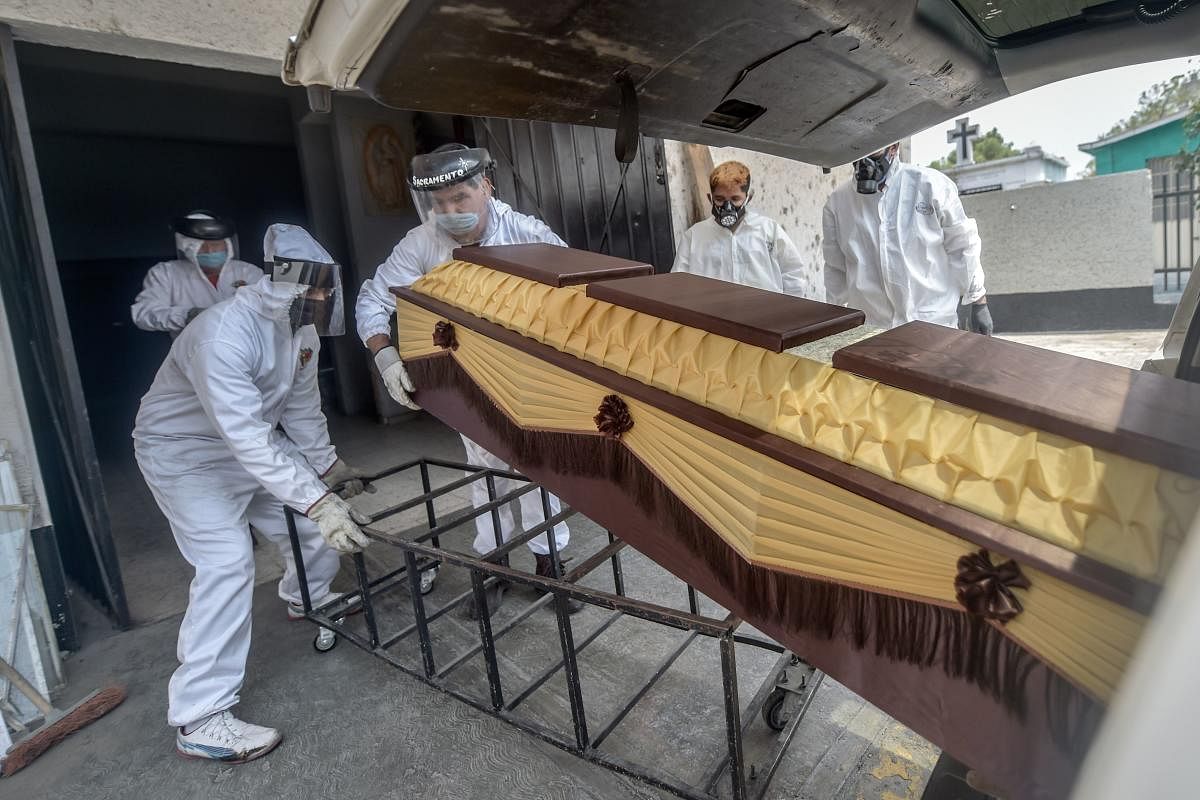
(613, 418)
(986, 589)
(444, 336)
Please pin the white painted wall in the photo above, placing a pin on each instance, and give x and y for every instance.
(223, 34)
(791, 192)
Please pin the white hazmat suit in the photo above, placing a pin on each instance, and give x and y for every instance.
(423, 248)
(209, 444)
(758, 253)
(908, 252)
(173, 288)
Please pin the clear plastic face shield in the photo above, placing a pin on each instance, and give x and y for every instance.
(318, 300)
(450, 186)
(207, 241)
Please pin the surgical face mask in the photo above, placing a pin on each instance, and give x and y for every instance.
(869, 172)
(727, 214)
(212, 260)
(458, 224)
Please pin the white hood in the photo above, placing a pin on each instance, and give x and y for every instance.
(293, 242)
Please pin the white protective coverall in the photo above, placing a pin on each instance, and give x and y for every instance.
(758, 252)
(208, 444)
(423, 248)
(173, 288)
(908, 252)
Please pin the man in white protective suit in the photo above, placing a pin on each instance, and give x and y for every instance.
(203, 273)
(899, 246)
(231, 431)
(453, 195)
(738, 244)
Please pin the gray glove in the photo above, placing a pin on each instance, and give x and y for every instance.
(346, 480)
(339, 524)
(981, 319)
(395, 377)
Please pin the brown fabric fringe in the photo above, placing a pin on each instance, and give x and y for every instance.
(962, 645)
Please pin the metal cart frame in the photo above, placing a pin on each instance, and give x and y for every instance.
(782, 700)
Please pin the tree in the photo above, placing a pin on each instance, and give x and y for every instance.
(1089, 170)
(988, 147)
(1177, 93)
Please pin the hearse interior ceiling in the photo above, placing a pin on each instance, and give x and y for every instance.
(820, 81)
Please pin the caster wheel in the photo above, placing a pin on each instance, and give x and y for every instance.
(428, 577)
(325, 640)
(772, 710)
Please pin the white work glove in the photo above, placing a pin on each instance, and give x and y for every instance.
(395, 378)
(339, 524)
(346, 480)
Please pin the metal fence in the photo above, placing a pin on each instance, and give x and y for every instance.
(1176, 226)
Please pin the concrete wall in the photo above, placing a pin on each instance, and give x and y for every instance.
(1086, 234)
(225, 34)
(791, 192)
(1070, 256)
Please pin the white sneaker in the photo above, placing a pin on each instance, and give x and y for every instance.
(295, 611)
(224, 737)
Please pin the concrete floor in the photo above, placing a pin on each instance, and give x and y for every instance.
(1123, 348)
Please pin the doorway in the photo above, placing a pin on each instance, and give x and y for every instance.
(123, 146)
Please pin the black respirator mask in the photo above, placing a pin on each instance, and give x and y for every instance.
(727, 214)
(869, 172)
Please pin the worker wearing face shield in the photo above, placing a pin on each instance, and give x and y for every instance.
(453, 194)
(899, 246)
(229, 433)
(204, 272)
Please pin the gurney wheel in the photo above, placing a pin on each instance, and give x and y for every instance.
(325, 640)
(772, 710)
(428, 578)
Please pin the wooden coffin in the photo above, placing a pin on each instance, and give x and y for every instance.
(940, 521)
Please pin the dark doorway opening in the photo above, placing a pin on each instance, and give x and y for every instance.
(123, 146)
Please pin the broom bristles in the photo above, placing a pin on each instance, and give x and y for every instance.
(87, 711)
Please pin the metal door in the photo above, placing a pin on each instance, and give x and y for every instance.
(1176, 223)
(569, 177)
(46, 358)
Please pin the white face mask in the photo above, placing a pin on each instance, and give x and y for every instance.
(458, 224)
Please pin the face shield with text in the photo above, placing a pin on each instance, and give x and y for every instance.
(450, 187)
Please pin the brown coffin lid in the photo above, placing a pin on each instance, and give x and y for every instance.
(1144, 416)
(551, 265)
(755, 316)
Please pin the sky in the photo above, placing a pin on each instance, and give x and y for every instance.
(1059, 116)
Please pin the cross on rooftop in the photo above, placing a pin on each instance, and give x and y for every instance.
(963, 136)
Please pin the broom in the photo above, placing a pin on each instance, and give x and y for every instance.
(59, 724)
